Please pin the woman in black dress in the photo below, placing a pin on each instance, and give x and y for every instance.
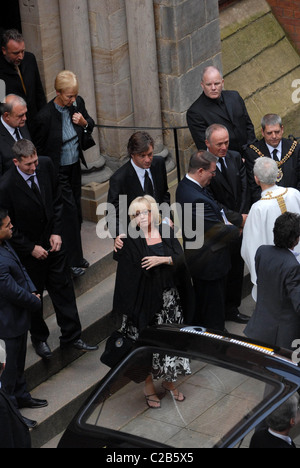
(153, 286)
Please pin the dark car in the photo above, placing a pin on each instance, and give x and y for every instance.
(234, 384)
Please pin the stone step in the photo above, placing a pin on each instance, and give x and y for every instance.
(65, 391)
(94, 308)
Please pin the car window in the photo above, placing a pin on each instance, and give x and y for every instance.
(217, 399)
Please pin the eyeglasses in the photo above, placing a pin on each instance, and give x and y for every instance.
(212, 172)
(140, 213)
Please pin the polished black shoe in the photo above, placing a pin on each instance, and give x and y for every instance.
(84, 264)
(30, 423)
(79, 344)
(234, 315)
(32, 403)
(42, 349)
(76, 272)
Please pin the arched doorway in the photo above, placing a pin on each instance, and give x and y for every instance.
(10, 16)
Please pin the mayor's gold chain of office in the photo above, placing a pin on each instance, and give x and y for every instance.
(279, 163)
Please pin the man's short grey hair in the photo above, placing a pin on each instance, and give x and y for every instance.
(266, 170)
(213, 128)
(271, 119)
(280, 419)
(9, 106)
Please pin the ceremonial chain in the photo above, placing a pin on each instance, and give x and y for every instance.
(279, 163)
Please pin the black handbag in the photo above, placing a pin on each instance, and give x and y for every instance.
(116, 348)
(87, 141)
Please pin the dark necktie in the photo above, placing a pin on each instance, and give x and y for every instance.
(275, 157)
(223, 169)
(35, 189)
(148, 186)
(17, 134)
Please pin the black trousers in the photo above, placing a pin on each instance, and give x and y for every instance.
(13, 378)
(235, 278)
(70, 181)
(210, 303)
(53, 274)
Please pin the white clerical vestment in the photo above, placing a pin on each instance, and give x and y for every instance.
(258, 229)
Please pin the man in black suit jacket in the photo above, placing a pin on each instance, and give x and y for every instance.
(128, 182)
(218, 106)
(208, 258)
(31, 193)
(287, 155)
(12, 128)
(229, 189)
(279, 424)
(276, 318)
(20, 72)
(18, 299)
(14, 433)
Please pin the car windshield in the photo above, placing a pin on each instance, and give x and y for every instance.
(217, 399)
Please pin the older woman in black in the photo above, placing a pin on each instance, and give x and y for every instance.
(58, 132)
(153, 287)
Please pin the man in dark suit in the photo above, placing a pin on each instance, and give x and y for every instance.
(18, 299)
(287, 155)
(20, 72)
(143, 174)
(229, 189)
(276, 318)
(279, 424)
(31, 193)
(14, 432)
(218, 106)
(12, 128)
(208, 259)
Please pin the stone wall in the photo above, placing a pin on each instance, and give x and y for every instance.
(260, 62)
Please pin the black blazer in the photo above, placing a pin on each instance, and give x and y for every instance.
(6, 143)
(290, 169)
(13, 431)
(264, 439)
(205, 112)
(212, 260)
(16, 298)
(232, 193)
(35, 95)
(33, 222)
(126, 182)
(47, 130)
(276, 318)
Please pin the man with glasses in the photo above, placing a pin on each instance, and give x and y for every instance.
(208, 261)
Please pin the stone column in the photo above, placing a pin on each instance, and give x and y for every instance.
(75, 29)
(144, 67)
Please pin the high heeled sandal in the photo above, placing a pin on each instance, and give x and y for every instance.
(149, 400)
(176, 397)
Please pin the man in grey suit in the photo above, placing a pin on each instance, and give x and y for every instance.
(276, 319)
(12, 128)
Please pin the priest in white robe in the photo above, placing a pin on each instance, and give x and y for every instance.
(275, 200)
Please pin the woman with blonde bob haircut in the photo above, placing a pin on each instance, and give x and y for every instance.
(139, 204)
(59, 130)
(153, 287)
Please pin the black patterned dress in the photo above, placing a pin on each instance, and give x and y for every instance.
(163, 366)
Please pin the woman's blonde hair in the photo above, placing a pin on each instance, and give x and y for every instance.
(66, 79)
(142, 203)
